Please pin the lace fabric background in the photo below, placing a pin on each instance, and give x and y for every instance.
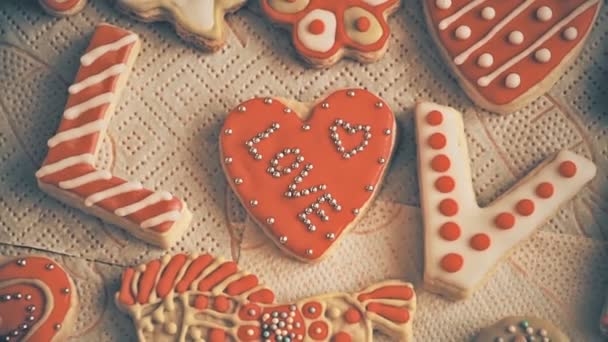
(165, 134)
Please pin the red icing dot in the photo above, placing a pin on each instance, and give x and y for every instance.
(445, 184)
(352, 316)
(318, 330)
(342, 337)
(363, 24)
(544, 190)
(437, 141)
(452, 262)
(505, 220)
(480, 242)
(217, 335)
(201, 302)
(450, 231)
(567, 169)
(434, 118)
(316, 26)
(448, 207)
(221, 304)
(312, 310)
(441, 163)
(525, 207)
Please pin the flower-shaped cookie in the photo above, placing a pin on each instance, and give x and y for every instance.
(325, 31)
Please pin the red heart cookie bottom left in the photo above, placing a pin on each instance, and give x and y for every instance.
(38, 300)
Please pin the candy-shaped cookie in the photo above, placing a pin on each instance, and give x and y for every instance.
(521, 329)
(604, 319)
(62, 8)
(508, 53)
(68, 172)
(38, 300)
(200, 22)
(201, 298)
(306, 173)
(464, 242)
(325, 31)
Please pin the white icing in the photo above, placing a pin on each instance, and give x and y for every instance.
(513, 81)
(85, 158)
(516, 37)
(543, 55)
(463, 32)
(111, 71)
(111, 192)
(443, 4)
(375, 2)
(91, 56)
(77, 132)
(445, 23)
(201, 12)
(318, 42)
(148, 201)
(485, 60)
(488, 13)
(170, 216)
(85, 179)
(544, 13)
(570, 33)
(76, 110)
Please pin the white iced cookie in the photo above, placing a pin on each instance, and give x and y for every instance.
(464, 242)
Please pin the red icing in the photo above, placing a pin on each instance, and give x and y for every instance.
(195, 268)
(352, 316)
(316, 27)
(505, 220)
(318, 330)
(167, 279)
(249, 333)
(448, 207)
(392, 313)
(242, 285)
(346, 179)
(217, 335)
(525, 207)
(389, 292)
(363, 24)
(437, 141)
(201, 302)
(312, 310)
(441, 163)
(544, 190)
(480, 242)
(452, 262)
(262, 296)
(125, 295)
(342, 337)
(567, 169)
(224, 271)
(445, 184)
(250, 312)
(146, 282)
(61, 6)
(221, 304)
(450, 231)
(434, 118)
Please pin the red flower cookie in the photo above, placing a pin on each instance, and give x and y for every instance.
(62, 8)
(324, 31)
(202, 298)
(38, 300)
(507, 53)
(306, 175)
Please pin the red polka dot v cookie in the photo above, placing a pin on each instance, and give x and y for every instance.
(508, 53)
(38, 300)
(325, 31)
(463, 242)
(521, 329)
(201, 298)
(62, 8)
(307, 173)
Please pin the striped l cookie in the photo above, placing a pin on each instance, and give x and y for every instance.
(62, 8)
(69, 174)
(506, 54)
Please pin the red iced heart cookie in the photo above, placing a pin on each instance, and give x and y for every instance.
(306, 177)
(507, 53)
(37, 300)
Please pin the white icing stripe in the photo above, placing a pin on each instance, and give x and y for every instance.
(91, 56)
(77, 132)
(85, 158)
(75, 111)
(85, 179)
(146, 202)
(486, 80)
(446, 22)
(162, 218)
(114, 70)
(465, 55)
(111, 192)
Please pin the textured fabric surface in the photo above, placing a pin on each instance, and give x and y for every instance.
(165, 134)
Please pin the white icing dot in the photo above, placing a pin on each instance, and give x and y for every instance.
(443, 4)
(463, 32)
(513, 81)
(543, 55)
(485, 60)
(488, 13)
(516, 37)
(544, 13)
(570, 33)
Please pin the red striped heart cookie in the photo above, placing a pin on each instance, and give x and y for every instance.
(306, 175)
(38, 300)
(507, 53)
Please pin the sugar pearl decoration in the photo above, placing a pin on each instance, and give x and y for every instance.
(544, 13)
(570, 33)
(516, 37)
(513, 81)
(443, 4)
(485, 60)
(488, 13)
(543, 55)
(463, 32)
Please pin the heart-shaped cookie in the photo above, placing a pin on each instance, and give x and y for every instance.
(306, 173)
(37, 300)
(507, 53)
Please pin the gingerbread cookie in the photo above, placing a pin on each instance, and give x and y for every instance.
(464, 242)
(508, 53)
(306, 173)
(200, 298)
(38, 300)
(200, 22)
(69, 174)
(604, 319)
(325, 31)
(62, 8)
(521, 329)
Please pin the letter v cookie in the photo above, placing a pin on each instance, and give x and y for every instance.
(506, 54)
(200, 22)
(464, 242)
(68, 172)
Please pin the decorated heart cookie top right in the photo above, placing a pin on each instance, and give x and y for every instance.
(507, 53)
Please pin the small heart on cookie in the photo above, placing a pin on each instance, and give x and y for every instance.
(306, 174)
